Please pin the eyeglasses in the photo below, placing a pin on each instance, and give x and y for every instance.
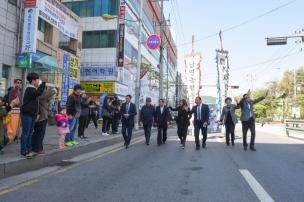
(19, 82)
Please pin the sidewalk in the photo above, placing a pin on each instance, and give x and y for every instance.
(12, 163)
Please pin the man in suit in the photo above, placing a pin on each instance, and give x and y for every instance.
(162, 116)
(201, 117)
(129, 111)
(146, 117)
(248, 118)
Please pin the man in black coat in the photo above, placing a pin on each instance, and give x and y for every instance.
(162, 116)
(201, 119)
(146, 117)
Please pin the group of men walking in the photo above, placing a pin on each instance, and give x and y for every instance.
(160, 116)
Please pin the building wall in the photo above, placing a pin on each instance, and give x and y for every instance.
(9, 15)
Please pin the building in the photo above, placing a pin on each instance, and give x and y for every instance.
(9, 40)
(110, 48)
(51, 44)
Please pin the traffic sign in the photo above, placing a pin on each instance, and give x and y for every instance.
(153, 42)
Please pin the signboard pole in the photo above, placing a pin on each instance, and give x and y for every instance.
(137, 91)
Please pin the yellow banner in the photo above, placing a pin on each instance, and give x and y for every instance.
(99, 87)
(74, 68)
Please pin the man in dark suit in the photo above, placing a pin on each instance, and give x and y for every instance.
(162, 116)
(146, 117)
(248, 118)
(201, 118)
(128, 111)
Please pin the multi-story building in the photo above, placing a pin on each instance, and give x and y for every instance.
(9, 40)
(51, 43)
(110, 48)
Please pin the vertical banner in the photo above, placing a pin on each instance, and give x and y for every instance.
(29, 36)
(65, 78)
(74, 72)
(121, 34)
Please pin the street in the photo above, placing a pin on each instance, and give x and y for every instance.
(168, 173)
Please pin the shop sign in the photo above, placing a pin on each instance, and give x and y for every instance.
(29, 36)
(74, 68)
(97, 72)
(99, 87)
(30, 3)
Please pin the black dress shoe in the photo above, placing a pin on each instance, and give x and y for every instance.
(252, 149)
(197, 147)
(228, 144)
(232, 143)
(204, 145)
(245, 148)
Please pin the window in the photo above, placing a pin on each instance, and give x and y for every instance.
(99, 39)
(41, 25)
(93, 8)
(5, 71)
(13, 2)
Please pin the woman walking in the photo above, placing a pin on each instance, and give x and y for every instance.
(183, 121)
(106, 115)
(229, 118)
(84, 101)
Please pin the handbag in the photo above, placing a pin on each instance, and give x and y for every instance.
(106, 113)
(8, 118)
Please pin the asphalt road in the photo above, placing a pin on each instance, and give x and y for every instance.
(275, 172)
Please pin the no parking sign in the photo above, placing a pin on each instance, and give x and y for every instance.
(153, 42)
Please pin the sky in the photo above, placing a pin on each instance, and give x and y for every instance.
(246, 44)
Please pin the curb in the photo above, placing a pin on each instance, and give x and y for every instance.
(19, 165)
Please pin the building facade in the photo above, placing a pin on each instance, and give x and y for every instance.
(9, 41)
(51, 44)
(110, 48)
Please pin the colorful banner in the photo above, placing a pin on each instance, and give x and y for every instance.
(121, 45)
(65, 78)
(29, 36)
(58, 19)
(97, 72)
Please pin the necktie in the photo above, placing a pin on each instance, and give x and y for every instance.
(127, 108)
(199, 113)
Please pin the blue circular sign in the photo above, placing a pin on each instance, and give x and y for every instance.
(153, 42)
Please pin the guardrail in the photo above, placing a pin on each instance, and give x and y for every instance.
(294, 125)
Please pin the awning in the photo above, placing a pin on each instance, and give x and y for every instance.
(47, 64)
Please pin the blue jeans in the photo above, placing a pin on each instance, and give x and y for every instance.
(72, 126)
(28, 123)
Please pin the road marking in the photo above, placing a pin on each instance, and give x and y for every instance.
(19, 186)
(262, 195)
(62, 170)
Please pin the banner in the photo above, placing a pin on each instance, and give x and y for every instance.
(58, 19)
(65, 78)
(29, 36)
(121, 45)
(97, 72)
(74, 68)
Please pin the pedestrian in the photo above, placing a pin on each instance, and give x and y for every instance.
(229, 119)
(41, 123)
(175, 117)
(106, 115)
(73, 108)
(116, 116)
(14, 100)
(3, 113)
(128, 110)
(162, 117)
(83, 119)
(248, 118)
(93, 113)
(201, 118)
(183, 121)
(146, 117)
(29, 112)
(62, 122)
(110, 120)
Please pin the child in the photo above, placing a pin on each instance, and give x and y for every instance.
(62, 122)
(3, 113)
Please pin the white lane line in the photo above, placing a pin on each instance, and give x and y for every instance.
(262, 195)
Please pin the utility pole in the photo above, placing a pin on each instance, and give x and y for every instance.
(295, 82)
(161, 50)
(137, 89)
(167, 85)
